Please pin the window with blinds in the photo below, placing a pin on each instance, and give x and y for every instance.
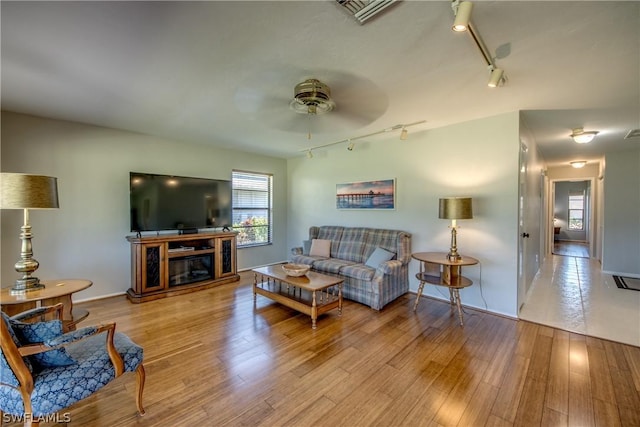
(576, 210)
(252, 207)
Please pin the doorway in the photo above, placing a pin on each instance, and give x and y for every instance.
(572, 218)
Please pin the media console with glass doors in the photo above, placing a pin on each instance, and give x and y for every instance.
(173, 264)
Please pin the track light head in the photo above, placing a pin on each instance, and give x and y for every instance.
(309, 155)
(463, 15)
(403, 134)
(350, 146)
(496, 77)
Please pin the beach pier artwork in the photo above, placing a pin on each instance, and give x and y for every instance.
(366, 195)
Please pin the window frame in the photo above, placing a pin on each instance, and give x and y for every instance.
(255, 194)
(572, 198)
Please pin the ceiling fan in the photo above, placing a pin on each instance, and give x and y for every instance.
(332, 102)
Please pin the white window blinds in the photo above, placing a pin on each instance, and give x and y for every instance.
(252, 207)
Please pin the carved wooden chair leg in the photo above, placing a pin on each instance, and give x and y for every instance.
(140, 377)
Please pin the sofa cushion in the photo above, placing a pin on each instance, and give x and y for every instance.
(304, 259)
(351, 246)
(378, 256)
(389, 240)
(320, 247)
(331, 265)
(358, 271)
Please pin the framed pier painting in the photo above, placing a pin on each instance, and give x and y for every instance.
(366, 195)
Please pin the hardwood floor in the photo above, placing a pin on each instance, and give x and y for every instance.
(211, 360)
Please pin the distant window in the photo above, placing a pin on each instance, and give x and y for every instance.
(252, 207)
(576, 211)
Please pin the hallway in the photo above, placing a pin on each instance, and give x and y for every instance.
(572, 293)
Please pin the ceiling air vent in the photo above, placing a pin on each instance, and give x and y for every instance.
(633, 133)
(365, 9)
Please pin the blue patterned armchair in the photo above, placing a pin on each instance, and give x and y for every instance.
(43, 371)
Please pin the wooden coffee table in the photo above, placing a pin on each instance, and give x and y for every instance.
(312, 294)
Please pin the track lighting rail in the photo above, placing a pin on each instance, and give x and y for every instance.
(402, 127)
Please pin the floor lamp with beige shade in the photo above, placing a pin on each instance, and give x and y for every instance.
(24, 191)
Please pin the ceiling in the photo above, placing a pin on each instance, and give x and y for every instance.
(223, 73)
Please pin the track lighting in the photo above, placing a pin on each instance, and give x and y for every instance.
(351, 146)
(496, 77)
(581, 137)
(462, 23)
(462, 11)
(578, 164)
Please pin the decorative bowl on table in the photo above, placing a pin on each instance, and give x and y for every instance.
(296, 270)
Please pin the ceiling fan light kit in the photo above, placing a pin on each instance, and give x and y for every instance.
(581, 136)
(312, 97)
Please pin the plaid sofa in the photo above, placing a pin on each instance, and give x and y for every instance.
(350, 250)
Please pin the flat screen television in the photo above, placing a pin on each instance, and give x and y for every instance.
(166, 202)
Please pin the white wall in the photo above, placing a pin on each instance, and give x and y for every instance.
(85, 238)
(531, 213)
(621, 240)
(477, 158)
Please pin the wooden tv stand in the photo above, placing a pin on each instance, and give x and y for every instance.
(172, 264)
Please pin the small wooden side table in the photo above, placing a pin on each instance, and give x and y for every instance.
(436, 269)
(55, 291)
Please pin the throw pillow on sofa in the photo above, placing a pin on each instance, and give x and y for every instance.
(378, 256)
(320, 247)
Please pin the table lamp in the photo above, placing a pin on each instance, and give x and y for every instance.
(455, 208)
(23, 191)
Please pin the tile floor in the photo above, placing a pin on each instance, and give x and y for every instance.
(572, 293)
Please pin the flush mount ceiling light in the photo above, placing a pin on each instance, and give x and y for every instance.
(581, 136)
(578, 164)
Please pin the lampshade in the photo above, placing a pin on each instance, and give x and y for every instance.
(23, 191)
(455, 208)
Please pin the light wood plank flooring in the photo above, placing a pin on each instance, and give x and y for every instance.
(212, 360)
